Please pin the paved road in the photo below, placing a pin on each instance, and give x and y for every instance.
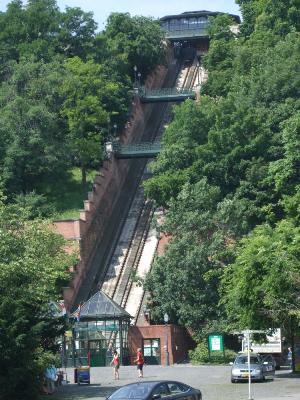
(213, 381)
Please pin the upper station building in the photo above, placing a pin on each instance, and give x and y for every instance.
(190, 30)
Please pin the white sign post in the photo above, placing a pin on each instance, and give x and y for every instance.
(247, 334)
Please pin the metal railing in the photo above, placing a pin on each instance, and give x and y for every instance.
(147, 148)
(163, 92)
(187, 32)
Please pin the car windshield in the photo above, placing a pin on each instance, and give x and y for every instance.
(244, 360)
(135, 391)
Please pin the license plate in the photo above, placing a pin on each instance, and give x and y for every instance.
(245, 375)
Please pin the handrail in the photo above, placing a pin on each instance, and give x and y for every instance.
(134, 248)
(138, 256)
(164, 91)
(187, 32)
(119, 147)
(127, 252)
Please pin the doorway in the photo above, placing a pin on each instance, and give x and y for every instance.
(97, 353)
(151, 349)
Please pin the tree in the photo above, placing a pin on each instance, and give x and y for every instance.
(90, 99)
(33, 268)
(260, 288)
(242, 138)
(77, 33)
(33, 133)
(140, 39)
(183, 282)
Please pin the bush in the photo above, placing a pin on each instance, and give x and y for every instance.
(200, 355)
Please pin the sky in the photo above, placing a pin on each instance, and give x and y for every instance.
(155, 8)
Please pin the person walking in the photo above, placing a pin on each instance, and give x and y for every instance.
(116, 364)
(290, 357)
(50, 377)
(140, 362)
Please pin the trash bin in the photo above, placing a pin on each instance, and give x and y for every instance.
(83, 375)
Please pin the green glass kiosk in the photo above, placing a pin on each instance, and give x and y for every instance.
(101, 327)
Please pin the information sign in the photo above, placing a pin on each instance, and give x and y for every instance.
(215, 342)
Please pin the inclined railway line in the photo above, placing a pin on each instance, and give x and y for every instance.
(137, 243)
(130, 246)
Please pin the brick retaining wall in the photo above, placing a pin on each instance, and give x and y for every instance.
(90, 227)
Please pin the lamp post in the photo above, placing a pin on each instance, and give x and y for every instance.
(108, 127)
(146, 312)
(166, 319)
(135, 71)
(115, 130)
(198, 72)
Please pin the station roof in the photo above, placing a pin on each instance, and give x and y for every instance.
(202, 13)
(101, 306)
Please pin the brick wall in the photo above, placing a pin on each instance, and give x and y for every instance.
(90, 227)
(179, 341)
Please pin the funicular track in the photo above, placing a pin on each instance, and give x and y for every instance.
(102, 265)
(132, 243)
(119, 283)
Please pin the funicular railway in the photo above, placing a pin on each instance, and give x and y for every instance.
(138, 241)
(126, 253)
(123, 255)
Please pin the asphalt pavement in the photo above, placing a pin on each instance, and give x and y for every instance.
(213, 381)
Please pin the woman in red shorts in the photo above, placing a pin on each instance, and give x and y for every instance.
(140, 362)
(116, 364)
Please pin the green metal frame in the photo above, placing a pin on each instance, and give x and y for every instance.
(136, 150)
(165, 94)
(188, 33)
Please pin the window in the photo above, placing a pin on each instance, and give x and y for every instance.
(202, 20)
(192, 22)
(161, 389)
(151, 347)
(244, 360)
(175, 387)
(134, 391)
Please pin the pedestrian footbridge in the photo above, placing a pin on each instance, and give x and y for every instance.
(165, 94)
(136, 150)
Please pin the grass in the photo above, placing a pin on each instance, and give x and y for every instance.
(68, 193)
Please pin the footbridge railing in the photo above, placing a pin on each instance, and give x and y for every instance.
(165, 94)
(187, 33)
(134, 150)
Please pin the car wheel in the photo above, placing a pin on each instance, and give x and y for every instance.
(233, 380)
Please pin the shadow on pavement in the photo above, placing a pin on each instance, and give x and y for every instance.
(73, 391)
(287, 374)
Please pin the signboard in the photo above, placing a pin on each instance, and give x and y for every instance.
(272, 344)
(215, 342)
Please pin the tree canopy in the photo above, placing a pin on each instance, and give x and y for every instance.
(242, 140)
(63, 86)
(33, 268)
(61, 81)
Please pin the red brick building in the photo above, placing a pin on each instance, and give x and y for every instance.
(155, 340)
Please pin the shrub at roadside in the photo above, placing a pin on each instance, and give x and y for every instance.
(200, 355)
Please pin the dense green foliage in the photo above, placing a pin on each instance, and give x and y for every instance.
(63, 87)
(200, 355)
(33, 268)
(228, 176)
